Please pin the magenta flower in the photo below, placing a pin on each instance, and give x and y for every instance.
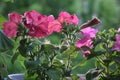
(32, 18)
(15, 17)
(116, 45)
(39, 29)
(67, 18)
(85, 41)
(54, 26)
(41, 25)
(88, 33)
(10, 29)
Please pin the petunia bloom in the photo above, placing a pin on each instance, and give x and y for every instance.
(40, 25)
(54, 26)
(10, 29)
(15, 17)
(32, 17)
(88, 33)
(67, 18)
(116, 45)
(84, 42)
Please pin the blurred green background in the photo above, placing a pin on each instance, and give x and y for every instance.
(106, 10)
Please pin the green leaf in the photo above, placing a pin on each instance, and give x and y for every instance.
(57, 62)
(47, 47)
(74, 77)
(74, 55)
(9, 0)
(27, 77)
(54, 74)
(2, 19)
(4, 72)
(116, 59)
(5, 43)
(63, 48)
(14, 57)
(82, 63)
(12, 68)
(94, 54)
(31, 64)
(22, 48)
(93, 74)
(68, 52)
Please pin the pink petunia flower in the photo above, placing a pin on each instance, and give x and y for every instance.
(116, 45)
(84, 42)
(88, 33)
(32, 18)
(91, 32)
(10, 29)
(66, 17)
(41, 25)
(54, 26)
(15, 17)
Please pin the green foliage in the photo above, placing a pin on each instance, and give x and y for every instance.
(54, 74)
(5, 43)
(9, 0)
(107, 59)
(2, 19)
(5, 59)
(6, 52)
(93, 74)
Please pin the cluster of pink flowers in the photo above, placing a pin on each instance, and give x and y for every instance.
(10, 27)
(38, 25)
(66, 17)
(88, 34)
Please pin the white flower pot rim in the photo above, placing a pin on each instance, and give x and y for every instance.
(18, 76)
